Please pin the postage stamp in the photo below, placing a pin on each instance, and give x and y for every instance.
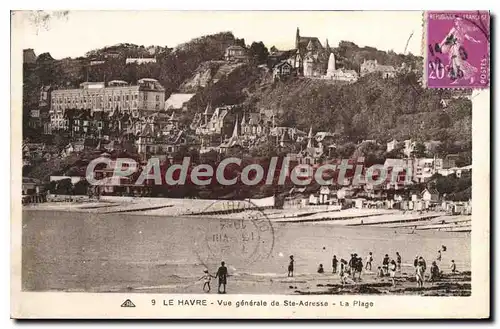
(241, 234)
(319, 164)
(457, 49)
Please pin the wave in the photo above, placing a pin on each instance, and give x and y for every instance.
(166, 286)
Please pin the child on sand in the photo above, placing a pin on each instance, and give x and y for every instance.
(453, 267)
(435, 273)
(206, 278)
(369, 261)
(392, 272)
(419, 275)
(345, 279)
(380, 272)
(321, 269)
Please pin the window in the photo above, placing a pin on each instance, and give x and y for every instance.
(126, 97)
(157, 98)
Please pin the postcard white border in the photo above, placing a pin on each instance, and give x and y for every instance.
(90, 305)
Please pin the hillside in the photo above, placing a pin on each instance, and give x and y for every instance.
(350, 56)
(371, 108)
(230, 84)
(208, 73)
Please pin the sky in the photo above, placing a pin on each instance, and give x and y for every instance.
(81, 31)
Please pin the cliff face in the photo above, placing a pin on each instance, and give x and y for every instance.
(201, 77)
(208, 73)
(228, 84)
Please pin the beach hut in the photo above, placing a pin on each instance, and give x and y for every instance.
(313, 199)
(359, 202)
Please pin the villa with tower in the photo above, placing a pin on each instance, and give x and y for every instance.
(311, 59)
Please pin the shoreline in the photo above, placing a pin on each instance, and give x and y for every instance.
(314, 214)
(448, 285)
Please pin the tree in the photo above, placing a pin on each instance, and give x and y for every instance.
(240, 42)
(344, 150)
(419, 151)
(258, 52)
(64, 186)
(81, 188)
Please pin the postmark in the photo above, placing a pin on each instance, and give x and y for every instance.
(237, 232)
(456, 49)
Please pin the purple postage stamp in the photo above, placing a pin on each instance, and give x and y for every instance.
(458, 49)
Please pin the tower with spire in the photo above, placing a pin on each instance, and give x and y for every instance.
(297, 39)
(309, 138)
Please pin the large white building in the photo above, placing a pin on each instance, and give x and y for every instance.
(148, 95)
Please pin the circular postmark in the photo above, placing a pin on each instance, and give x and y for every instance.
(237, 232)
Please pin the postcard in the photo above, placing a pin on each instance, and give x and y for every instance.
(194, 164)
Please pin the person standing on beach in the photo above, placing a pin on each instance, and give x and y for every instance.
(392, 272)
(290, 267)
(334, 264)
(438, 258)
(422, 265)
(398, 260)
(369, 261)
(453, 267)
(222, 275)
(342, 267)
(359, 266)
(415, 262)
(353, 265)
(419, 275)
(435, 273)
(385, 264)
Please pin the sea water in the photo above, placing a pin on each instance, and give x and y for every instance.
(75, 251)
